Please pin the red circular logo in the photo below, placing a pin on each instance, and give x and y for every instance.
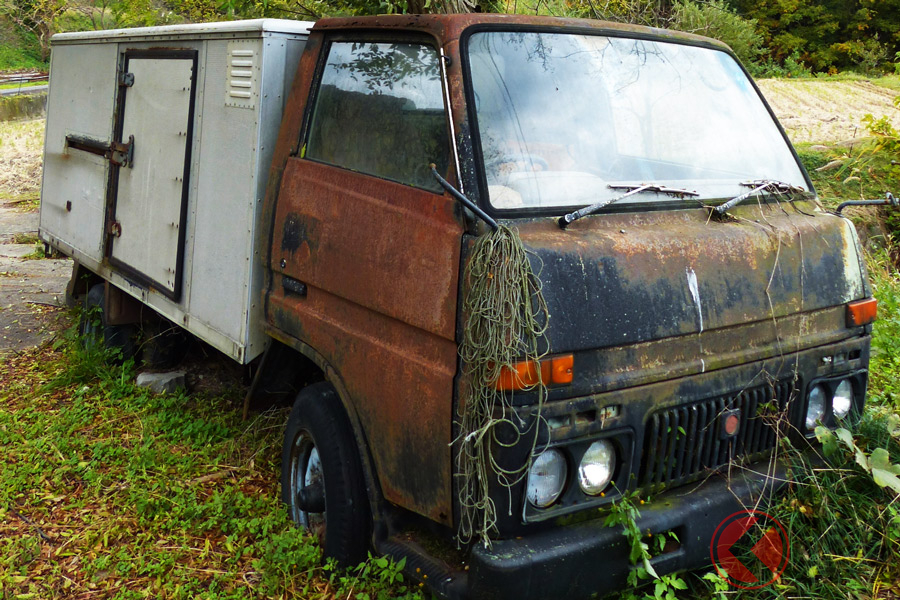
(750, 549)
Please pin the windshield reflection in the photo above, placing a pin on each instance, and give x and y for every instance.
(562, 117)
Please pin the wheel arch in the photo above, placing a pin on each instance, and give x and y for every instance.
(333, 377)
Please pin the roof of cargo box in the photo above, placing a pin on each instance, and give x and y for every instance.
(449, 26)
(227, 29)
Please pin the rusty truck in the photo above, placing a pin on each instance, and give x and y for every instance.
(267, 186)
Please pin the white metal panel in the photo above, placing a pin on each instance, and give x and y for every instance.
(250, 28)
(73, 190)
(281, 56)
(225, 209)
(231, 155)
(150, 191)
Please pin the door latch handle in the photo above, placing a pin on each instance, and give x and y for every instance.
(122, 154)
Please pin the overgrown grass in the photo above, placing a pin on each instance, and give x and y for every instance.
(884, 367)
(108, 491)
(851, 172)
(843, 528)
(21, 143)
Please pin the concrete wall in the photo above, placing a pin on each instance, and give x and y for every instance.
(23, 106)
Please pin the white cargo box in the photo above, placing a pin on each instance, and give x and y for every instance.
(156, 157)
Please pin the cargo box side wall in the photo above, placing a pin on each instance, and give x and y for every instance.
(236, 138)
(230, 154)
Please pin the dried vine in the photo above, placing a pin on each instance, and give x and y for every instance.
(506, 317)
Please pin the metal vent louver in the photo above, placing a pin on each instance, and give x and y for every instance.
(242, 68)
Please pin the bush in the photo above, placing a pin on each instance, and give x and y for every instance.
(792, 66)
(715, 19)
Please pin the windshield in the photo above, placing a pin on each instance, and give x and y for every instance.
(563, 117)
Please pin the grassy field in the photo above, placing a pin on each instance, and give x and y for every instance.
(107, 491)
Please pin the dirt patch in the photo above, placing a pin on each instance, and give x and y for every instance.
(827, 111)
(32, 292)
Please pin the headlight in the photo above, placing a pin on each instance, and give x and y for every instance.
(843, 399)
(815, 407)
(597, 467)
(546, 478)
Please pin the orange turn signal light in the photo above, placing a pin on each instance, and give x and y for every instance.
(561, 368)
(524, 374)
(862, 312)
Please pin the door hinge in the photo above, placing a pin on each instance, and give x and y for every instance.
(126, 79)
(122, 153)
(115, 229)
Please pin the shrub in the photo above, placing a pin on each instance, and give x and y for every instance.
(715, 19)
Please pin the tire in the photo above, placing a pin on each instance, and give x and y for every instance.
(93, 328)
(164, 344)
(320, 453)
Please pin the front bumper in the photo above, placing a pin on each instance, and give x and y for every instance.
(589, 560)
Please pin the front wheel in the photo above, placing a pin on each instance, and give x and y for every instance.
(321, 475)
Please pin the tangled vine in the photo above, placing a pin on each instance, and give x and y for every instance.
(506, 317)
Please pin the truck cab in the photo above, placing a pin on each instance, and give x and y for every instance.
(699, 301)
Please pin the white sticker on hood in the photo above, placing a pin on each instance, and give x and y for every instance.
(695, 293)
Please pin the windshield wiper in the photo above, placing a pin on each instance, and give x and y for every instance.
(568, 219)
(760, 185)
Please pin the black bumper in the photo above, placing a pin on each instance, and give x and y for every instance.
(589, 560)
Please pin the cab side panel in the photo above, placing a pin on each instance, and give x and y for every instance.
(366, 273)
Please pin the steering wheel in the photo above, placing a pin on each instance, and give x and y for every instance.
(524, 158)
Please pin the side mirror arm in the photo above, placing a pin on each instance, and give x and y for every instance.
(889, 200)
(468, 203)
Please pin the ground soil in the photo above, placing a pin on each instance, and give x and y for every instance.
(824, 111)
(32, 291)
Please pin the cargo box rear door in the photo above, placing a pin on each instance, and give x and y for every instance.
(149, 185)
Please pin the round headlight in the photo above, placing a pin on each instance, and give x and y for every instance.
(546, 478)
(597, 467)
(815, 407)
(843, 399)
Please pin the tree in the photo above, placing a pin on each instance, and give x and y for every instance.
(827, 34)
(36, 16)
(716, 19)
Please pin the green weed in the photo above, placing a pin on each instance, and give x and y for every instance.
(25, 238)
(624, 513)
(109, 491)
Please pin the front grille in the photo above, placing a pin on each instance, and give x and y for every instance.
(684, 441)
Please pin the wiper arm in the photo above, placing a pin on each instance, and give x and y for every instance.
(568, 219)
(760, 185)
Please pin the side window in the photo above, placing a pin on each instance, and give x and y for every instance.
(380, 111)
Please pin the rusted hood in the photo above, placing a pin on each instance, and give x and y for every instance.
(618, 279)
